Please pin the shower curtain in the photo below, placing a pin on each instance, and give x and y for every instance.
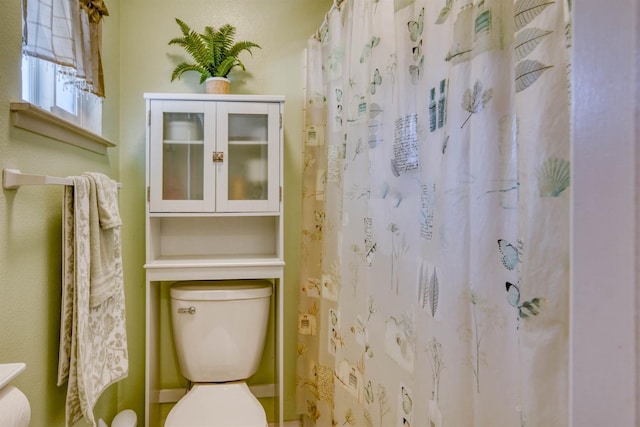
(434, 286)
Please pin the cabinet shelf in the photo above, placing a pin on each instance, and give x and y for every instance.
(210, 214)
(184, 141)
(247, 142)
(207, 268)
(212, 261)
(215, 237)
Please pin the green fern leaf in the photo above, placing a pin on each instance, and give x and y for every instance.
(225, 67)
(182, 67)
(183, 27)
(240, 46)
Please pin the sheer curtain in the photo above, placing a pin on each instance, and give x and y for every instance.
(67, 33)
(434, 279)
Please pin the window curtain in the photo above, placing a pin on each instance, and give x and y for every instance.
(434, 287)
(67, 33)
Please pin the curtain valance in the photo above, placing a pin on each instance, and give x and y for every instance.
(67, 33)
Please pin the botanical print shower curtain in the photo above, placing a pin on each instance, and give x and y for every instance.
(434, 279)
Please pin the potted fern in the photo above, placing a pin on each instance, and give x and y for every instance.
(214, 52)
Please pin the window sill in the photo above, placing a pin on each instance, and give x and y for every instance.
(25, 115)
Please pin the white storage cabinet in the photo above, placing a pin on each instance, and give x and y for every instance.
(214, 209)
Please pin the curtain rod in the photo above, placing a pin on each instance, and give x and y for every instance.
(12, 179)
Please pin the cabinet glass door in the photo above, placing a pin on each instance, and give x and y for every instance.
(248, 157)
(182, 156)
(181, 177)
(251, 135)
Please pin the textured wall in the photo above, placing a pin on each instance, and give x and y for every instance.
(30, 228)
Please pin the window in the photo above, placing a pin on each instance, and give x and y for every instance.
(53, 88)
(61, 67)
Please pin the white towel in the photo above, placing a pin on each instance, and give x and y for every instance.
(104, 229)
(93, 344)
(107, 193)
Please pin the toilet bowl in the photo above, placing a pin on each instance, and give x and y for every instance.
(219, 329)
(126, 418)
(227, 404)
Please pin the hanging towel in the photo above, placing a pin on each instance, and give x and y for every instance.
(104, 231)
(93, 344)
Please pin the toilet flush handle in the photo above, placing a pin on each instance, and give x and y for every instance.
(190, 310)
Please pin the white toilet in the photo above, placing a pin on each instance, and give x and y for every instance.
(219, 330)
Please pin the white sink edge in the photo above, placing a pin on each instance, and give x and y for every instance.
(9, 371)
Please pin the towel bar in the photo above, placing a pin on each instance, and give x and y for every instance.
(12, 179)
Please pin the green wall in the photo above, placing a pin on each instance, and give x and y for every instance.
(136, 60)
(30, 228)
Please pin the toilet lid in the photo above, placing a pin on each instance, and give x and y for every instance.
(218, 405)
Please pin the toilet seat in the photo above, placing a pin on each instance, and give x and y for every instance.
(218, 405)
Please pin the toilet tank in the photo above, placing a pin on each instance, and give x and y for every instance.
(219, 327)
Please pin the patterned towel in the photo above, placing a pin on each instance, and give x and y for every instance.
(93, 344)
(104, 232)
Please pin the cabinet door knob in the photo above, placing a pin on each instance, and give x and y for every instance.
(218, 156)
